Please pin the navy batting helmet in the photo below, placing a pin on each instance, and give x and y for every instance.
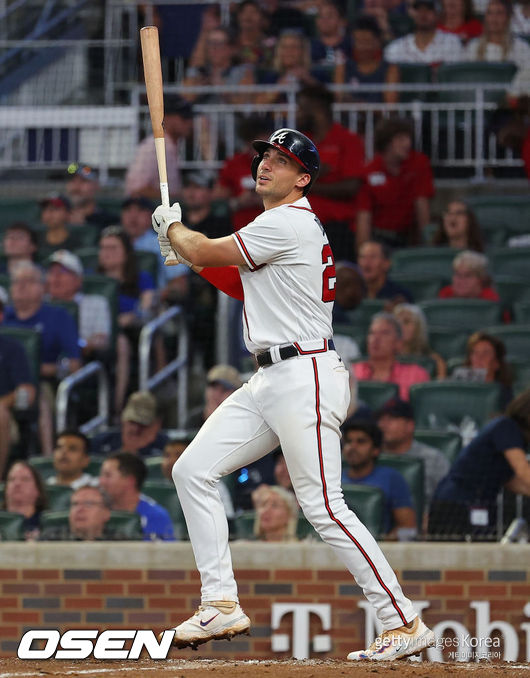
(295, 145)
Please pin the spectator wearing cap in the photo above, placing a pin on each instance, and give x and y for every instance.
(142, 177)
(221, 382)
(235, 183)
(426, 44)
(59, 339)
(64, 281)
(139, 432)
(396, 421)
(341, 167)
(136, 221)
(121, 477)
(15, 387)
(20, 244)
(82, 189)
(374, 263)
(55, 215)
(471, 279)
(383, 344)
(361, 445)
(393, 203)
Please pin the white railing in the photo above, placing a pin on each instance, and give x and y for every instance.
(64, 392)
(454, 134)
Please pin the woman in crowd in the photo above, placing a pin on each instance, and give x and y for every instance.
(471, 279)
(276, 514)
(497, 42)
(365, 65)
(464, 502)
(457, 17)
(488, 353)
(415, 340)
(116, 259)
(253, 46)
(459, 228)
(25, 493)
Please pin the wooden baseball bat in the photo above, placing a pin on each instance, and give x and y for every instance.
(155, 99)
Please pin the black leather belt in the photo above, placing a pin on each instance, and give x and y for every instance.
(286, 352)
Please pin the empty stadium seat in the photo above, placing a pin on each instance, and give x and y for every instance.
(511, 290)
(442, 405)
(448, 442)
(516, 339)
(512, 261)
(58, 497)
(44, 465)
(448, 342)
(431, 261)
(154, 468)
(11, 526)
(422, 287)
(94, 465)
(521, 312)
(244, 525)
(413, 471)
(501, 216)
(368, 505)
(376, 393)
(126, 525)
(416, 74)
(463, 314)
(89, 258)
(474, 72)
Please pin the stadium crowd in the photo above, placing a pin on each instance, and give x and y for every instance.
(432, 312)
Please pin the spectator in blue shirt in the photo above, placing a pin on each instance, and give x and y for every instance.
(60, 350)
(121, 477)
(361, 444)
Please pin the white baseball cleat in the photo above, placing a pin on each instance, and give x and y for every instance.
(212, 621)
(398, 643)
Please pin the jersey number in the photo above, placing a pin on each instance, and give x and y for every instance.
(329, 276)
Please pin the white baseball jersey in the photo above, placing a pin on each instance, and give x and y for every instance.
(289, 279)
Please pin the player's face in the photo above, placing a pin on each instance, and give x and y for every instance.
(277, 175)
(69, 455)
(382, 340)
(358, 449)
(88, 513)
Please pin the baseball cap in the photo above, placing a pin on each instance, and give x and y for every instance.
(206, 179)
(67, 260)
(396, 408)
(55, 200)
(177, 105)
(140, 408)
(226, 375)
(140, 201)
(85, 171)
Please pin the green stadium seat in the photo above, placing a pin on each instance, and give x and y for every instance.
(148, 262)
(415, 74)
(11, 526)
(376, 393)
(4, 281)
(154, 468)
(516, 339)
(448, 342)
(363, 314)
(511, 290)
(108, 288)
(431, 261)
(413, 471)
(448, 442)
(55, 522)
(125, 525)
(522, 312)
(422, 287)
(368, 505)
(58, 497)
(2, 493)
(94, 465)
(521, 374)
(358, 334)
(304, 529)
(163, 492)
(18, 209)
(512, 261)
(478, 72)
(462, 314)
(44, 465)
(500, 216)
(89, 258)
(31, 340)
(244, 525)
(443, 405)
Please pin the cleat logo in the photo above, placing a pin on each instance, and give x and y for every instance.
(205, 623)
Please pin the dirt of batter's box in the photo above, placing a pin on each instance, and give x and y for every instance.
(206, 668)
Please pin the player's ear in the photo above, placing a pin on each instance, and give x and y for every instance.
(303, 180)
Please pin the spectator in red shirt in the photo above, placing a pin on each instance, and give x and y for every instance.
(457, 17)
(393, 203)
(235, 183)
(384, 343)
(471, 279)
(341, 167)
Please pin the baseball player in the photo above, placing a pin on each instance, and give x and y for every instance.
(282, 266)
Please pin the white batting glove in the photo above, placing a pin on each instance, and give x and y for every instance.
(167, 251)
(163, 217)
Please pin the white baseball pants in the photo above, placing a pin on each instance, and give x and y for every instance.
(298, 403)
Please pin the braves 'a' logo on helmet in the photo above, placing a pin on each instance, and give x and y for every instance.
(279, 137)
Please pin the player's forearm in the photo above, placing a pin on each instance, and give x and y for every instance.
(187, 242)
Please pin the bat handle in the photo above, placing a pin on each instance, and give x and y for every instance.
(171, 259)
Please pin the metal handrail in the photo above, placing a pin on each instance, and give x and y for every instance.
(66, 387)
(178, 365)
